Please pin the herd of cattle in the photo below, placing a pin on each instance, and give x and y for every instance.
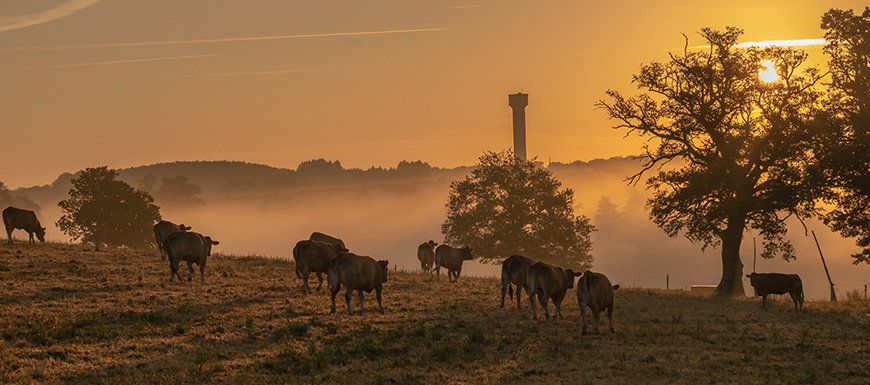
(323, 254)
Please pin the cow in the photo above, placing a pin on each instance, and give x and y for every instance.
(426, 255)
(775, 283)
(514, 270)
(356, 272)
(15, 218)
(595, 291)
(451, 258)
(548, 282)
(189, 247)
(321, 237)
(162, 231)
(313, 257)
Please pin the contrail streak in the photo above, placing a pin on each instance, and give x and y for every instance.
(99, 63)
(227, 74)
(221, 40)
(783, 43)
(65, 9)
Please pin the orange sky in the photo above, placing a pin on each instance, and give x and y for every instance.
(78, 88)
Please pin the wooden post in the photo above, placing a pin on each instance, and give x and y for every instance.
(865, 291)
(833, 294)
(668, 283)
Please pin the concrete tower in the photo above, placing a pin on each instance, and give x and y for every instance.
(518, 103)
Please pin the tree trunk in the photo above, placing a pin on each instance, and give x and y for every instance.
(732, 267)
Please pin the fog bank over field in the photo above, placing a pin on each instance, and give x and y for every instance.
(386, 213)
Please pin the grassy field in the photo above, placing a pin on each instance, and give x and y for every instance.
(71, 315)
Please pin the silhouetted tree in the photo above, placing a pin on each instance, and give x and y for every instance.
(319, 167)
(104, 210)
(178, 191)
(8, 199)
(510, 206)
(730, 150)
(844, 149)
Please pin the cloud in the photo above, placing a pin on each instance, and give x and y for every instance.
(65, 9)
(99, 63)
(251, 73)
(220, 40)
(784, 43)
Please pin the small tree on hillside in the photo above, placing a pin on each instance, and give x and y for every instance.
(844, 148)
(104, 210)
(511, 206)
(738, 147)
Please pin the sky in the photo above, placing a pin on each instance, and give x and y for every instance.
(122, 83)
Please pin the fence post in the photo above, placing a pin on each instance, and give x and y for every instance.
(833, 294)
(668, 283)
(865, 291)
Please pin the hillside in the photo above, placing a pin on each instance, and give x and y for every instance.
(79, 316)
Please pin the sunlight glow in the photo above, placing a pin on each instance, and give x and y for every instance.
(768, 71)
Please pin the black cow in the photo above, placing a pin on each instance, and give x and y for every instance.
(451, 258)
(325, 238)
(357, 272)
(15, 218)
(595, 292)
(313, 257)
(548, 282)
(514, 270)
(775, 283)
(189, 247)
(162, 231)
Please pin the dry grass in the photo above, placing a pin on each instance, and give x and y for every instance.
(74, 316)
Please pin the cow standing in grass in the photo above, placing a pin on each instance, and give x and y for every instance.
(321, 237)
(595, 292)
(162, 231)
(357, 272)
(775, 283)
(514, 271)
(548, 282)
(313, 257)
(15, 218)
(451, 258)
(190, 247)
(426, 255)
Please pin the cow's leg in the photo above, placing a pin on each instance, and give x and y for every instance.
(610, 318)
(378, 291)
(545, 300)
(520, 290)
(190, 269)
(764, 301)
(173, 269)
(305, 275)
(333, 290)
(30, 234)
(319, 281)
(504, 287)
(362, 301)
(437, 271)
(347, 299)
(596, 312)
(557, 302)
(9, 234)
(458, 272)
(532, 304)
(202, 271)
(583, 316)
(795, 300)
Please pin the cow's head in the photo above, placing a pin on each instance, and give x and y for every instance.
(570, 275)
(432, 243)
(182, 227)
(466, 253)
(383, 264)
(207, 241)
(40, 233)
(338, 248)
(750, 275)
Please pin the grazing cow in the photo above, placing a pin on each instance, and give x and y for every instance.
(775, 283)
(313, 257)
(426, 255)
(357, 272)
(514, 270)
(451, 258)
(15, 218)
(189, 247)
(321, 237)
(548, 282)
(595, 291)
(162, 231)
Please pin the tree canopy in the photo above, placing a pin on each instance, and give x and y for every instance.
(510, 206)
(844, 149)
(104, 210)
(726, 150)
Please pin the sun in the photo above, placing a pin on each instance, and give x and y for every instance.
(768, 71)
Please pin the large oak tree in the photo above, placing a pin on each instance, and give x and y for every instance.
(726, 150)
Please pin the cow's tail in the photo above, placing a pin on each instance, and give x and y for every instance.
(296, 253)
(506, 279)
(333, 274)
(583, 284)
